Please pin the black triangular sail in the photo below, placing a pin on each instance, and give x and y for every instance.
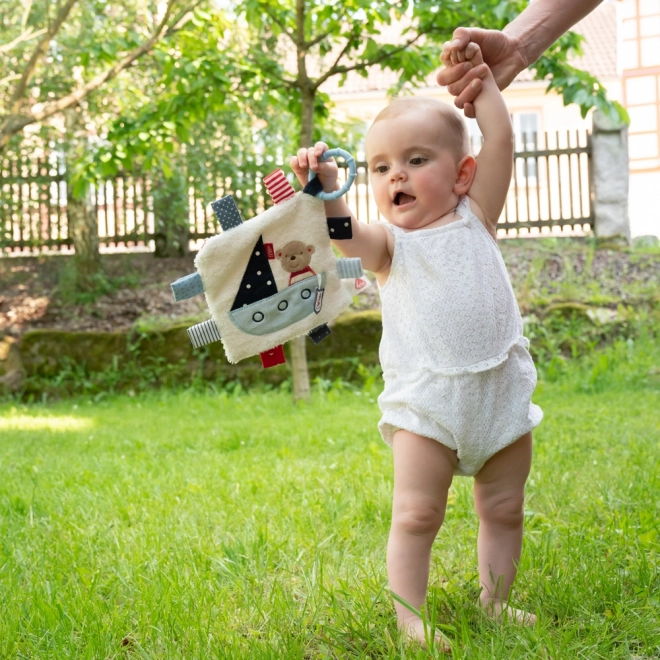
(258, 280)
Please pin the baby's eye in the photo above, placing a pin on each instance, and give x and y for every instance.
(381, 169)
(418, 160)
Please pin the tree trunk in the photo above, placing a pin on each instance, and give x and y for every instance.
(80, 212)
(298, 346)
(83, 231)
(171, 213)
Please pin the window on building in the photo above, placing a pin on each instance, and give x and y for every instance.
(640, 58)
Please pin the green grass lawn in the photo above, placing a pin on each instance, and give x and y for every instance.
(215, 525)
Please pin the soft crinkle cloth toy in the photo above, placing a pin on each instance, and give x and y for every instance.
(275, 277)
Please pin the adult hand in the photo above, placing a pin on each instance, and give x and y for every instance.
(501, 53)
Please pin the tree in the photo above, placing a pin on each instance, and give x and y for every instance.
(57, 59)
(69, 61)
(195, 127)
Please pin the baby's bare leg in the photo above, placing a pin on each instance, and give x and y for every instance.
(423, 471)
(499, 493)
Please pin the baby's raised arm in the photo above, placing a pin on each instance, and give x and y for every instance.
(495, 160)
(372, 243)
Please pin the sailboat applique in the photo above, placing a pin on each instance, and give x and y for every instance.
(275, 277)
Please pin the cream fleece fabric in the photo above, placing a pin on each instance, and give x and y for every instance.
(223, 259)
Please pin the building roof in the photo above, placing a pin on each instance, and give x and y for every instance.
(600, 45)
(599, 59)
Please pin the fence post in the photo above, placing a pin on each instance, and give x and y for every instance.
(610, 177)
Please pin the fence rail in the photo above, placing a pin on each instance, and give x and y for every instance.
(551, 184)
(551, 187)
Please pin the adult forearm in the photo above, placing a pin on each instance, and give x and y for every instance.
(543, 22)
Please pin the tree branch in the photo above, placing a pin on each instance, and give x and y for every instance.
(281, 25)
(176, 23)
(301, 51)
(300, 23)
(321, 37)
(26, 15)
(7, 79)
(290, 84)
(331, 71)
(15, 122)
(26, 36)
(28, 72)
(77, 95)
(334, 69)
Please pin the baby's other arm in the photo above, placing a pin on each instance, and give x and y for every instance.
(495, 160)
(372, 243)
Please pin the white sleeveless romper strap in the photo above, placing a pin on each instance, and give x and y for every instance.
(455, 362)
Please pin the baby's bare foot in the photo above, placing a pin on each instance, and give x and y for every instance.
(502, 612)
(414, 631)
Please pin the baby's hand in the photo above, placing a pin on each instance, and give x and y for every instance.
(454, 55)
(308, 159)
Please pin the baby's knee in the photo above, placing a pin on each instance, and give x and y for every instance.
(418, 519)
(506, 510)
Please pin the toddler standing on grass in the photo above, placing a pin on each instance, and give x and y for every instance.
(458, 375)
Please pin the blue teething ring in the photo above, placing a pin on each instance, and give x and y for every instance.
(352, 170)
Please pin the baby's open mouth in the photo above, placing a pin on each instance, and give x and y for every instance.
(403, 198)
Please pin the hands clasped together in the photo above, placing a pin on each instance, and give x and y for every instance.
(500, 53)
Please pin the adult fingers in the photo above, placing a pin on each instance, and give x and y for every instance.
(468, 94)
(452, 74)
(462, 86)
(459, 42)
(461, 38)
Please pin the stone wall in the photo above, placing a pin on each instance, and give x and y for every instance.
(354, 340)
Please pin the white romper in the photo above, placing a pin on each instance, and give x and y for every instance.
(454, 358)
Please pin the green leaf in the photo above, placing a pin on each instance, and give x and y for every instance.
(182, 133)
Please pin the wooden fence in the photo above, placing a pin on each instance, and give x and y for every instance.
(551, 187)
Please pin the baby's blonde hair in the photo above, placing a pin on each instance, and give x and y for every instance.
(452, 127)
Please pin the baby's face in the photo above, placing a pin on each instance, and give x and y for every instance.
(411, 171)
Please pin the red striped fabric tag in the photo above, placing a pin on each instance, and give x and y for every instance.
(278, 187)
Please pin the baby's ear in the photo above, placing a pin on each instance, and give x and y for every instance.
(465, 171)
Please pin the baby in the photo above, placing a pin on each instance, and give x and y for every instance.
(458, 375)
